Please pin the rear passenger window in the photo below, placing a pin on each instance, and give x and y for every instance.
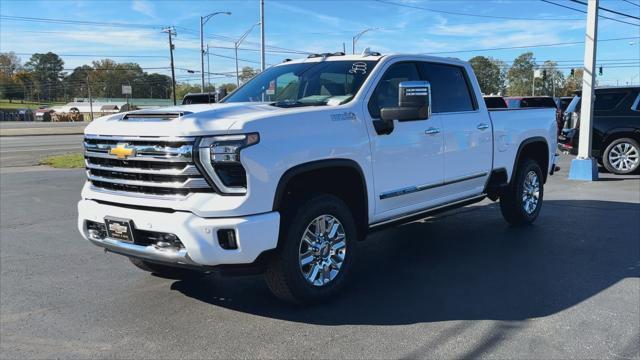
(608, 101)
(450, 90)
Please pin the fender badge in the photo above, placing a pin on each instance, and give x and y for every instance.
(345, 116)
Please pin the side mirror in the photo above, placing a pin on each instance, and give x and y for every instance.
(414, 102)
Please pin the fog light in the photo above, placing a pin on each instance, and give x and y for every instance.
(227, 239)
(96, 230)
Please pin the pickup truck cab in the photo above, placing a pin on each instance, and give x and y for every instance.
(290, 170)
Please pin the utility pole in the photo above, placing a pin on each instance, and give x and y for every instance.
(584, 167)
(203, 20)
(208, 68)
(171, 32)
(90, 100)
(261, 35)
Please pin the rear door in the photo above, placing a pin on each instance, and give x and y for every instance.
(468, 136)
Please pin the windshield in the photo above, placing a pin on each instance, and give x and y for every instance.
(306, 84)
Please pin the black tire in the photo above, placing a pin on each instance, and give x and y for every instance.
(512, 204)
(284, 274)
(625, 166)
(165, 271)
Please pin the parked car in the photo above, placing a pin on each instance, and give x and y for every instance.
(495, 102)
(290, 170)
(204, 98)
(517, 102)
(616, 128)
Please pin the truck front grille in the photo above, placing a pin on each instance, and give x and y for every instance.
(145, 166)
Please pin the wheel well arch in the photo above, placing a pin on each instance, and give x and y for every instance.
(615, 134)
(535, 148)
(343, 178)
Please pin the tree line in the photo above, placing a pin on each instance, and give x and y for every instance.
(496, 77)
(44, 78)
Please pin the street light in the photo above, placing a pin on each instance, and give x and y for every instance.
(203, 20)
(358, 36)
(237, 45)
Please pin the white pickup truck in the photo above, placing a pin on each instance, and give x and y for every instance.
(288, 172)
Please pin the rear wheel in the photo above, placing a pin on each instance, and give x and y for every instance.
(622, 156)
(170, 272)
(317, 251)
(522, 201)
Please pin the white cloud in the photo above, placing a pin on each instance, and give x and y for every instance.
(144, 7)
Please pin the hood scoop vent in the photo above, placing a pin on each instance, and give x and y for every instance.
(154, 116)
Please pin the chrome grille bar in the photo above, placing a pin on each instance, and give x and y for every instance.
(187, 170)
(161, 167)
(190, 183)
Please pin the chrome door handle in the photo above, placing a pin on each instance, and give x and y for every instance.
(483, 126)
(432, 131)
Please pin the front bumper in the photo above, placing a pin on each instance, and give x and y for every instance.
(254, 234)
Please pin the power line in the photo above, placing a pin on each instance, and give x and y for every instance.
(78, 22)
(608, 10)
(469, 14)
(530, 46)
(584, 12)
(100, 55)
(632, 3)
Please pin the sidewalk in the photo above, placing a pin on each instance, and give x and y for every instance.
(28, 128)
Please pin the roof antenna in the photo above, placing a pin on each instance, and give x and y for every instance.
(366, 52)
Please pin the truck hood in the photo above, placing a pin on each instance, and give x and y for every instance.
(186, 120)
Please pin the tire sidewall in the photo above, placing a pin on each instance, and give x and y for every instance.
(307, 212)
(605, 156)
(528, 166)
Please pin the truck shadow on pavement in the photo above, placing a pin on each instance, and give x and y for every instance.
(464, 265)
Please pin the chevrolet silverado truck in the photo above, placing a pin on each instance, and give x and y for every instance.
(289, 171)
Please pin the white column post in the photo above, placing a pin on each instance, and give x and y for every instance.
(584, 167)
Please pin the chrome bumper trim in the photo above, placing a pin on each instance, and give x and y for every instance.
(145, 252)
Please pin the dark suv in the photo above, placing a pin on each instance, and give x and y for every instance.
(616, 128)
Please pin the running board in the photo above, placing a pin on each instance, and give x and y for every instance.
(406, 218)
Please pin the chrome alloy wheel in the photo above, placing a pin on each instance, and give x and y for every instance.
(624, 156)
(322, 250)
(531, 192)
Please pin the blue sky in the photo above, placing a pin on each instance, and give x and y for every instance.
(318, 26)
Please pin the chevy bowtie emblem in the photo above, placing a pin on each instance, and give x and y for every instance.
(121, 151)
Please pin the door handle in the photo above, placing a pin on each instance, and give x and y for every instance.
(432, 131)
(483, 126)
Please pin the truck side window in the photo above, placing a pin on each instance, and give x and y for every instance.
(386, 93)
(608, 101)
(450, 90)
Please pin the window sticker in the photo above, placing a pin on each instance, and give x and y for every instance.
(358, 67)
(272, 88)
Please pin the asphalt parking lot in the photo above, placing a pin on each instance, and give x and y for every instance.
(462, 284)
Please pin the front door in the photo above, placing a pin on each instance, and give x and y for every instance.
(407, 163)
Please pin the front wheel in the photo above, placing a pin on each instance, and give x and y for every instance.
(316, 252)
(622, 156)
(522, 201)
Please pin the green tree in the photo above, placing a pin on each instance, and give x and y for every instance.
(9, 67)
(247, 73)
(520, 75)
(490, 73)
(552, 81)
(76, 83)
(47, 70)
(573, 82)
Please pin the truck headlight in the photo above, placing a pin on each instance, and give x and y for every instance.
(220, 157)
